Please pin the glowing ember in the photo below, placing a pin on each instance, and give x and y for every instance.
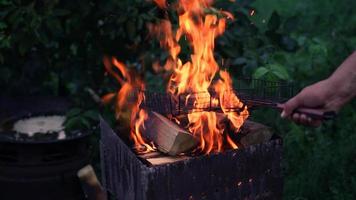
(198, 74)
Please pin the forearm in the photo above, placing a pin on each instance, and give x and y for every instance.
(344, 78)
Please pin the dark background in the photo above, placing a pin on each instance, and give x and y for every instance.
(55, 48)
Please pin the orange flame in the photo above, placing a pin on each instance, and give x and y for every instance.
(130, 84)
(161, 3)
(197, 74)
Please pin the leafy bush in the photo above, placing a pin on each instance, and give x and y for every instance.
(317, 161)
(56, 47)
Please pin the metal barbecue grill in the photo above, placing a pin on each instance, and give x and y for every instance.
(251, 172)
(252, 93)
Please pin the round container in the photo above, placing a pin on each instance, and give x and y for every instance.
(43, 168)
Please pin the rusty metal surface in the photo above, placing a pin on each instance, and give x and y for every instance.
(250, 173)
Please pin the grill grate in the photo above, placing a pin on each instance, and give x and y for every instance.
(252, 93)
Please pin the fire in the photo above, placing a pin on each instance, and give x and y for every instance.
(199, 74)
(127, 98)
(161, 3)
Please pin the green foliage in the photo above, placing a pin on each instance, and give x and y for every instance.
(318, 162)
(62, 43)
(271, 72)
(79, 119)
(56, 47)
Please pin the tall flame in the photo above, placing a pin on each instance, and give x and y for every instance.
(128, 98)
(197, 74)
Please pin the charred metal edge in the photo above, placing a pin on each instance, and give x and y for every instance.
(121, 164)
(257, 168)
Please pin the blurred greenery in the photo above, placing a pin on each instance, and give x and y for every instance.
(56, 48)
(319, 163)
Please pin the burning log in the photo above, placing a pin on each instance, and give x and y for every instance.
(167, 135)
(255, 133)
(251, 133)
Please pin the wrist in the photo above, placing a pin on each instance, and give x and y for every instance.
(341, 90)
(345, 77)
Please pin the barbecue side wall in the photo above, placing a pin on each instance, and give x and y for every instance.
(123, 175)
(250, 173)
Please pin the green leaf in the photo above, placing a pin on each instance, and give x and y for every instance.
(279, 71)
(260, 72)
(74, 112)
(84, 122)
(71, 123)
(318, 49)
(91, 114)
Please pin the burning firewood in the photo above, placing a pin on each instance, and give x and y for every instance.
(167, 135)
(254, 133)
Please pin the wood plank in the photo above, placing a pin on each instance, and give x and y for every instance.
(167, 135)
(166, 160)
(153, 154)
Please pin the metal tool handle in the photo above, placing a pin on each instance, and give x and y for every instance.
(313, 113)
(316, 114)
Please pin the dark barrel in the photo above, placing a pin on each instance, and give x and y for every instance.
(40, 170)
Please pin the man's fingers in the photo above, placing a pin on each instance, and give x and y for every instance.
(296, 118)
(290, 106)
(305, 120)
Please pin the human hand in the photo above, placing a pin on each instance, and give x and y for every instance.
(320, 97)
(327, 95)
